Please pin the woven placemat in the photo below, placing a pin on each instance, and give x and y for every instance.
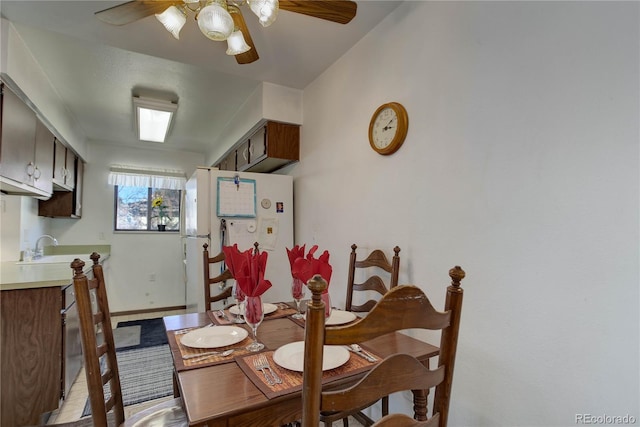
(292, 380)
(283, 310)
(179, 351)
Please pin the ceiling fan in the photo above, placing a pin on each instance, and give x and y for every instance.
(223, 20)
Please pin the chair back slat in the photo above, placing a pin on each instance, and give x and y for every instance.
(403, 307)
(399, 372)
(375, 283)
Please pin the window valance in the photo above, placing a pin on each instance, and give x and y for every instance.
(133, 176)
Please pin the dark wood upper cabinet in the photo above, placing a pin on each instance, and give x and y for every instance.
(64, 165)
(65, 204)
(271, 147)
(26, 148)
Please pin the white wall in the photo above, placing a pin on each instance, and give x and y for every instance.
(521, 165)
(134, 256)
(20, 226)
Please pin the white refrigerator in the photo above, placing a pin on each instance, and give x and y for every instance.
(227, 207)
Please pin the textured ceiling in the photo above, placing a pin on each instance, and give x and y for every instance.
(95, 67)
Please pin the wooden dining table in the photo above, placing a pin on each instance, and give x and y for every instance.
(225, 393)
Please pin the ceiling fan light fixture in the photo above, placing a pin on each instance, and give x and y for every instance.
(236, 44)
(173, 19)
(265, 10)
(214, 21)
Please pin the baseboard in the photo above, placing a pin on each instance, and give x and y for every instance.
(148, 310)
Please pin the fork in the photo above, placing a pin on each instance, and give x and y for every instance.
(257, 363)
(220, 313)
(264, 362)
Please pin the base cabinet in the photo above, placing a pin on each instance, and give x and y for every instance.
(39, 352)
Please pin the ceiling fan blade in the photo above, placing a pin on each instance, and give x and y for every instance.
(252, 54)
(340, 11)
(133, 10)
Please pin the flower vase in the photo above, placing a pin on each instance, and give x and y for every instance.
(162, 227)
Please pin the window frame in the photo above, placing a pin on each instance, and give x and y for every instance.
(150, 195)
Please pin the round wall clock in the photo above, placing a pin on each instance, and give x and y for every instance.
(388, 128)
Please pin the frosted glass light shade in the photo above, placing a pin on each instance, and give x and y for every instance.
(215, 22)
(265, 10)
(236, 44)
(173, 20)
(153, 118)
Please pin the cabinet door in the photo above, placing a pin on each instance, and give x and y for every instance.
(242, 155)
(77, 191)
(71, 341)
(43, 174)
(59, 163)
(258, 144)
(17, 143)
(31, 346)
(71, 169)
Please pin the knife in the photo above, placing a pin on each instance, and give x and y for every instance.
(361, 354)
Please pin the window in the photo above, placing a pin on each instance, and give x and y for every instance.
(146, 208)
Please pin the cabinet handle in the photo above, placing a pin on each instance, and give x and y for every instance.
(36, 173)
(244, 154)
(31, 167)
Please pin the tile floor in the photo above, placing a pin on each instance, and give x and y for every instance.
(73, 406)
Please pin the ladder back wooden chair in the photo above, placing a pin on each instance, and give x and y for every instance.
(374, 282)
(403, 307)
(100, 363)
(222, 291)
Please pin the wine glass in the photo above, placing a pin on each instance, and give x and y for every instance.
(297, 291)
(327, 304)
(253, 315)
(239, 296)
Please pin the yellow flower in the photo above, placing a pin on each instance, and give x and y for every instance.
(157, 202)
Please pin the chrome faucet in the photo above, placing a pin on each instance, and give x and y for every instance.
(39, 251)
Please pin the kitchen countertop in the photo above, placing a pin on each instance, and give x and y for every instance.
(15, 276)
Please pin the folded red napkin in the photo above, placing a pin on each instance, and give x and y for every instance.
(305, 268)
(248, 269)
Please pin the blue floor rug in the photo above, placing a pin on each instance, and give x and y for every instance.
(151, 333)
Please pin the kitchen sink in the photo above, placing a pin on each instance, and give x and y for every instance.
(54, 259)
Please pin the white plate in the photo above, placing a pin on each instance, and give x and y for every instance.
(215, 336)
(291, 356)
(266, 308)
(340, 317)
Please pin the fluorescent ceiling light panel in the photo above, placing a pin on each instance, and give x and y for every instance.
(153, 118)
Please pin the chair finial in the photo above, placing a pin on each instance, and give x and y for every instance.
(205, 246)
(77, 265)
(95, 257)
(456, 274)
(316, 285)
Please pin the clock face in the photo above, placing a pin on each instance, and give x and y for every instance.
(388, 128)
(385, 128)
